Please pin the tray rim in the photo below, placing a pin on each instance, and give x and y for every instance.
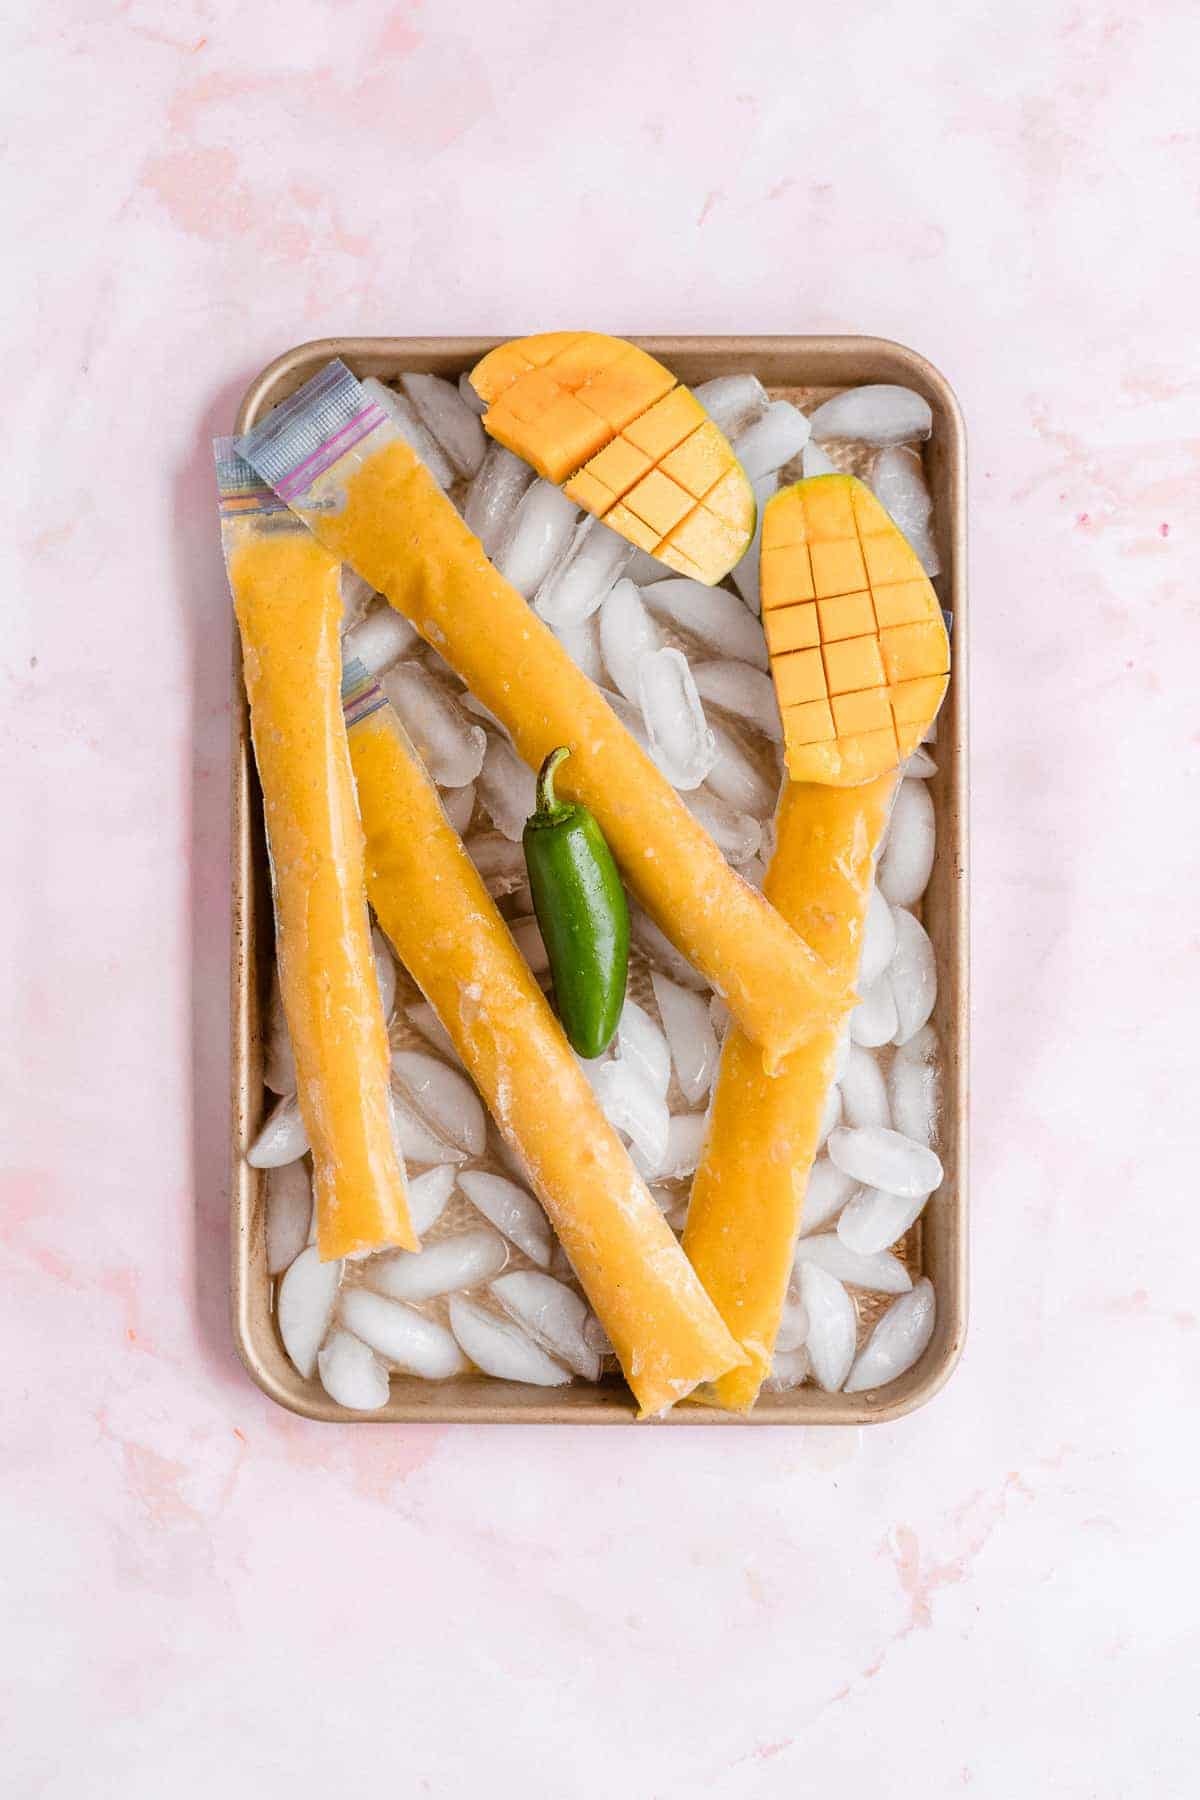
(476, 1401)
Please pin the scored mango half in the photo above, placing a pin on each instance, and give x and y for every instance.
(858, 647)
(612, 427)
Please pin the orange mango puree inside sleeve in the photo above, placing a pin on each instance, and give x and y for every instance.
(763, 1131)
(285, 592)
(858, 649)
(399, 531)
(609, 424)
(432, 904)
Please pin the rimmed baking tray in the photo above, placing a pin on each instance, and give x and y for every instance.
(937, 1247)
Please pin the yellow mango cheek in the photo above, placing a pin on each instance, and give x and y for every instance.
(608, 423)
(858, 649)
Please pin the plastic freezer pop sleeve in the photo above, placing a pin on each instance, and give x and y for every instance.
(285, 595)
(762, 1137)
(432, 903)
(332, 454)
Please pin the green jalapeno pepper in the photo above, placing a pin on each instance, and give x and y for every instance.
(581, 910)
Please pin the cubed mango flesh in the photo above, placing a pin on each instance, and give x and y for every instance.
(858, 649)
(613, 428)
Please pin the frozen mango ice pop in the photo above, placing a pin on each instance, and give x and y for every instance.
(861, 661)
(338, 461)
(433, 905)
(285, 595)
(611, 425)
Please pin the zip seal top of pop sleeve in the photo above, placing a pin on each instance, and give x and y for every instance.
(310, 431)
(361, 693)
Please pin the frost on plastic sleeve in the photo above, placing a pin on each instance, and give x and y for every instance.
(328, 419)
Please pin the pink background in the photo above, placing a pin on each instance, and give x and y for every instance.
(205, 1595)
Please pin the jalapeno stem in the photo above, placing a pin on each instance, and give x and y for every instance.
(548, 807)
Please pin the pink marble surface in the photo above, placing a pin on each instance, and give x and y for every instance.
(205, 1595)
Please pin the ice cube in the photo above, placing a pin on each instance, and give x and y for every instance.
(685, 1141)
(643, 569)
(873, 1220)
(898, 482)
(444, 1098)
(882, 1273)
(512, 1210)
(422, 1018)
(711, 615)
(458, 804)
(874, 1019)
(733, 402)
(863, 1090)
(738, 779)
(469, 396)
(913, 975)
(357, 595)
(528, 937)
(305, 1306)
(279, 1066)
(642, 1045)
(500, 1348)
(443, 411)
(427, 1197)
(659, 950)
(553, 1315)
(789, 1369)
(499, 860)
(627, 634)
(414, 1138)
(881, 1158)
(746, 573)
(813, 461)
(582, 644)
(690, 1034)
(352, 1374)
(495, 492)
(876, 414)
(451, 748)
(574, 589)
(537, 537)
(832, 1326)
(827, 1192)
(281, 1137)
(289, 1214)
(879, 940)
(755, 872)
(506, 787)
(793, 1324)
(764, 447)
(830, 1115)
(379, 639)
(920, 766)
(744, 691)
(736, 835)
(915, 1087)
(632, 1107)
(897, 1340)
(452, 1263)
(405, 1339)
(681, 742)
(907, 860)
(416, 435)
(385, 972)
